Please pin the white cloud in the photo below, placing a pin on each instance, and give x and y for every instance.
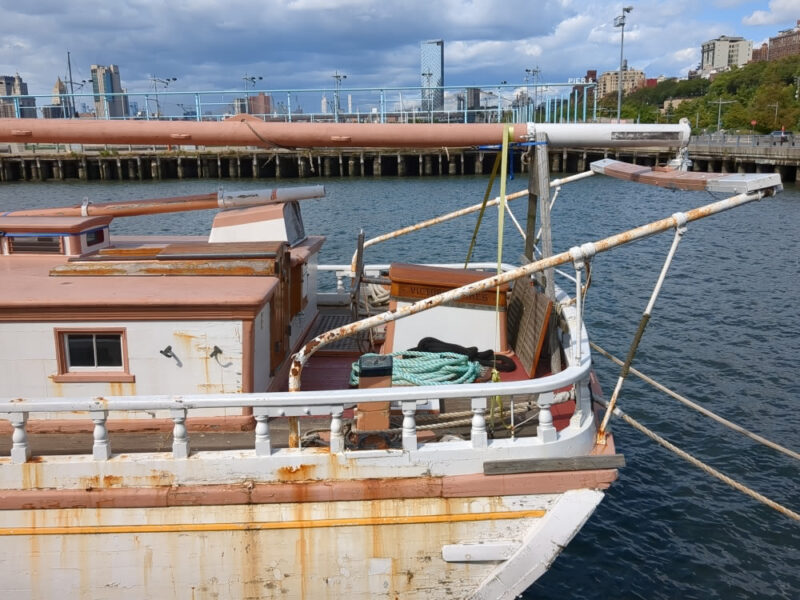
(780, 12)
(211, 44)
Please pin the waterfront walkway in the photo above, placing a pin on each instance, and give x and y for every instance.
(41, 162)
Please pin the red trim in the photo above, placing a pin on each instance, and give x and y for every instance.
(462, 486)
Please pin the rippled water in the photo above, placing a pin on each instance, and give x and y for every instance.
(725, 332)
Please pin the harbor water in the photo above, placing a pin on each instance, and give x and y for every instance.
(725, 332)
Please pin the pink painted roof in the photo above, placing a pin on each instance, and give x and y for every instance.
(26, 284)
(12, 224)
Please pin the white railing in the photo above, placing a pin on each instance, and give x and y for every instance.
(298, 404)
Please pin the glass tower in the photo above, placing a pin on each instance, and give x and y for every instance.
(432, 74)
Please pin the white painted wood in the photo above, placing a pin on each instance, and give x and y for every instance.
(180, 439)
(20, 450)
(478, 434)
(263, 443)
(101, 448)
(409, 425)
(273, 230)
(486, 551)
(288, 559)
(447, 324)
(26, 366)
(540, 546)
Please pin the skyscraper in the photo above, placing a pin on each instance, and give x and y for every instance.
(14, 86)
(109, 101)
(431, 55)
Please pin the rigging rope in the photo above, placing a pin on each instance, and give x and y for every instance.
(489, 186)
(697, 407)
(426, 368)
(700, 464)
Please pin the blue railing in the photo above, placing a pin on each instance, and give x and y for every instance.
(549, 103)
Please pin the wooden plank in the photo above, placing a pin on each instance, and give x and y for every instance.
(222, 250)
(117, 253)
(528, 319)
(133, 268)
(546, 465)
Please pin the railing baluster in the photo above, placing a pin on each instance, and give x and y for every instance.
(546, 432)
(337, 428)
(20, 451)
(263, 443)
(478, 434)
(409, 408)
(101, 448)
(180, 440)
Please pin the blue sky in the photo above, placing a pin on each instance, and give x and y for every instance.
(209, 44)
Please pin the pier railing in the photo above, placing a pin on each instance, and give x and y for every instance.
(517, 103)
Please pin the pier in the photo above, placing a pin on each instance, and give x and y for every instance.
(57, 162)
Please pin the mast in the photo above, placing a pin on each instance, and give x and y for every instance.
(71, 103)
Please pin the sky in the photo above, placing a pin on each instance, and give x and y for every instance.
(301, 44)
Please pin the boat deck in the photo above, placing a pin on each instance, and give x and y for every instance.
(326, 370)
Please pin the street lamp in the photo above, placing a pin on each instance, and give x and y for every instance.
(534, 75)
(620, 22)
(338, 83)
(720, 102)
(249, 80)
(70, 103)
(775, 106)
(165, 82)
(500, 101)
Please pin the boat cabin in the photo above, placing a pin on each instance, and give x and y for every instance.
(84, 312)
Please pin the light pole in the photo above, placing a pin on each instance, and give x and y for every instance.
(71, 108)
(775, 106)
(500, 101)
(620, 22)
(720, 102)
(165, 82)
(338, 84)
(534, 74)
(249, 80)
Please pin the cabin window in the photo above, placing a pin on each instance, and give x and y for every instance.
(87, 356)
(95, 237)
(35, 244)
(93, 350)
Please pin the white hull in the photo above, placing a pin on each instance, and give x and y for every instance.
(495, 548)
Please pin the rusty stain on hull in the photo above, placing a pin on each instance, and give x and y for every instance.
(274, 525)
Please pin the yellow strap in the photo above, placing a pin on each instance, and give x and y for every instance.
(507, 133)
(492, 177)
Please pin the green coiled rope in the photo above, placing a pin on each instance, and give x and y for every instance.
(426, 368)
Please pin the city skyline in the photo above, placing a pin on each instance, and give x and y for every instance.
(300, 44)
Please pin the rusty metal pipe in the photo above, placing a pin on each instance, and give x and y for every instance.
(464, 211)
(128, 208)
(302, 356)
(246, 130)
(125, 208)
(434, 221)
